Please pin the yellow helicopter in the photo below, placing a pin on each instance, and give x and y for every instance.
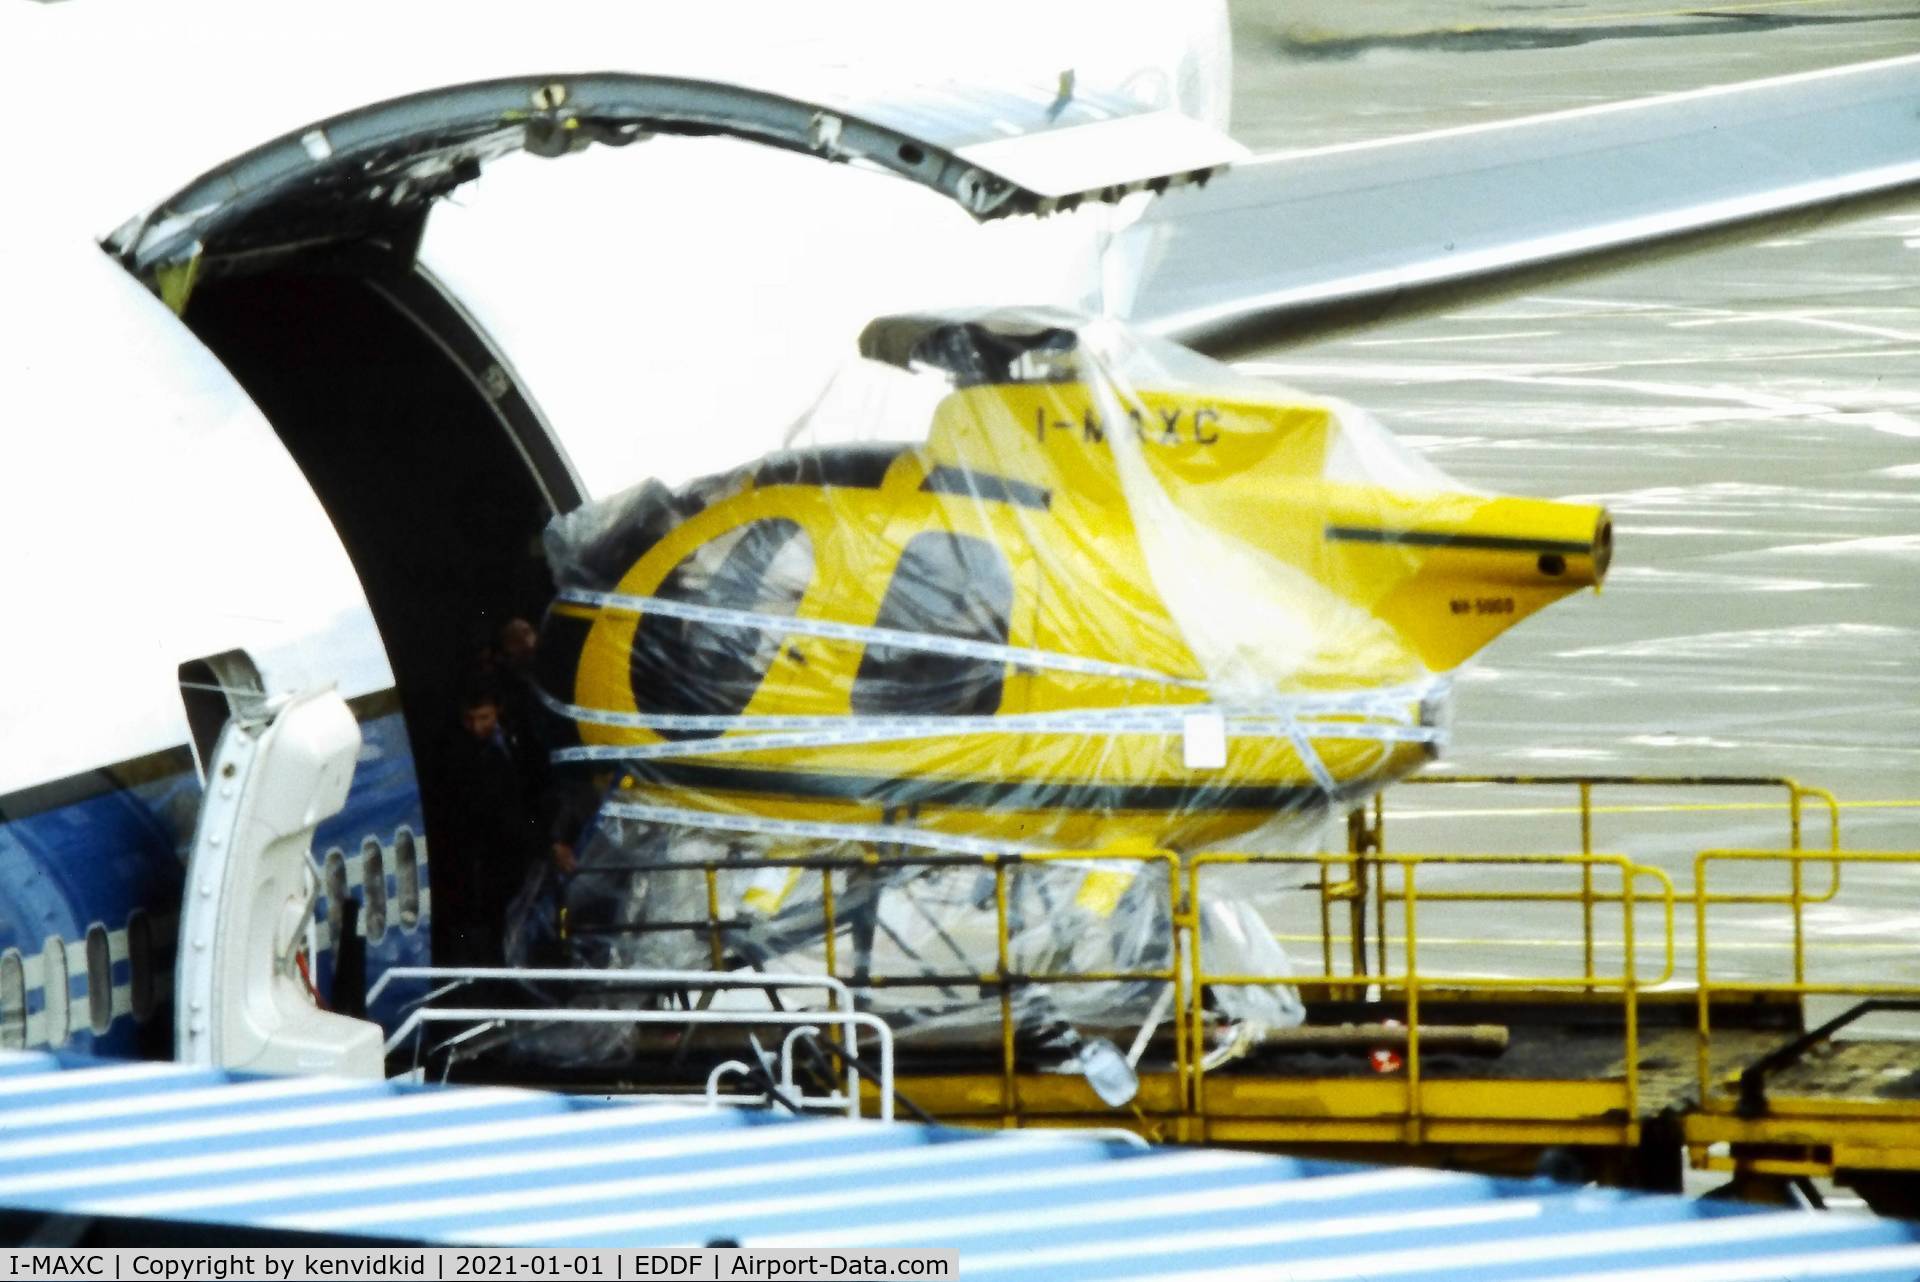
(1116, 596)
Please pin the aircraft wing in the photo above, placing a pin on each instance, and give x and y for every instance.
(1344, 235)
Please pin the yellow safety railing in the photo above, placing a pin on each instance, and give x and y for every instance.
(1186, 970)
(1795, 900)
(1378, 939)
(1365, 840)
(1410, 981)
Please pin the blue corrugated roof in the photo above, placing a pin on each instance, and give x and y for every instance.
(500, 1166)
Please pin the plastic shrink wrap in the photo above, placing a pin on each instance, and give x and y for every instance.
(1021, 583)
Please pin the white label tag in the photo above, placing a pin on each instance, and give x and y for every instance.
(1204, 738)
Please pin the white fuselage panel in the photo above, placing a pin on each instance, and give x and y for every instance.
(150, 516)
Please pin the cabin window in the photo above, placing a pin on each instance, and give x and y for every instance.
(697, 668)
(406, 876)
(949, 585)
(140, 965)
(13, 1001)
(56, 1005)
(99, 979)
(335, 867)
(373, 890)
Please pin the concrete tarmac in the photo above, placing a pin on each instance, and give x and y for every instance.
(1751, 415)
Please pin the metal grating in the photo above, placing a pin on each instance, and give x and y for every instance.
(196, 1147)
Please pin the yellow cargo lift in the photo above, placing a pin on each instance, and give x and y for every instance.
(1619, 1072)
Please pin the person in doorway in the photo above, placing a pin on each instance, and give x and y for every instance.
(517, 647)
(561, 807)
(495, 834)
